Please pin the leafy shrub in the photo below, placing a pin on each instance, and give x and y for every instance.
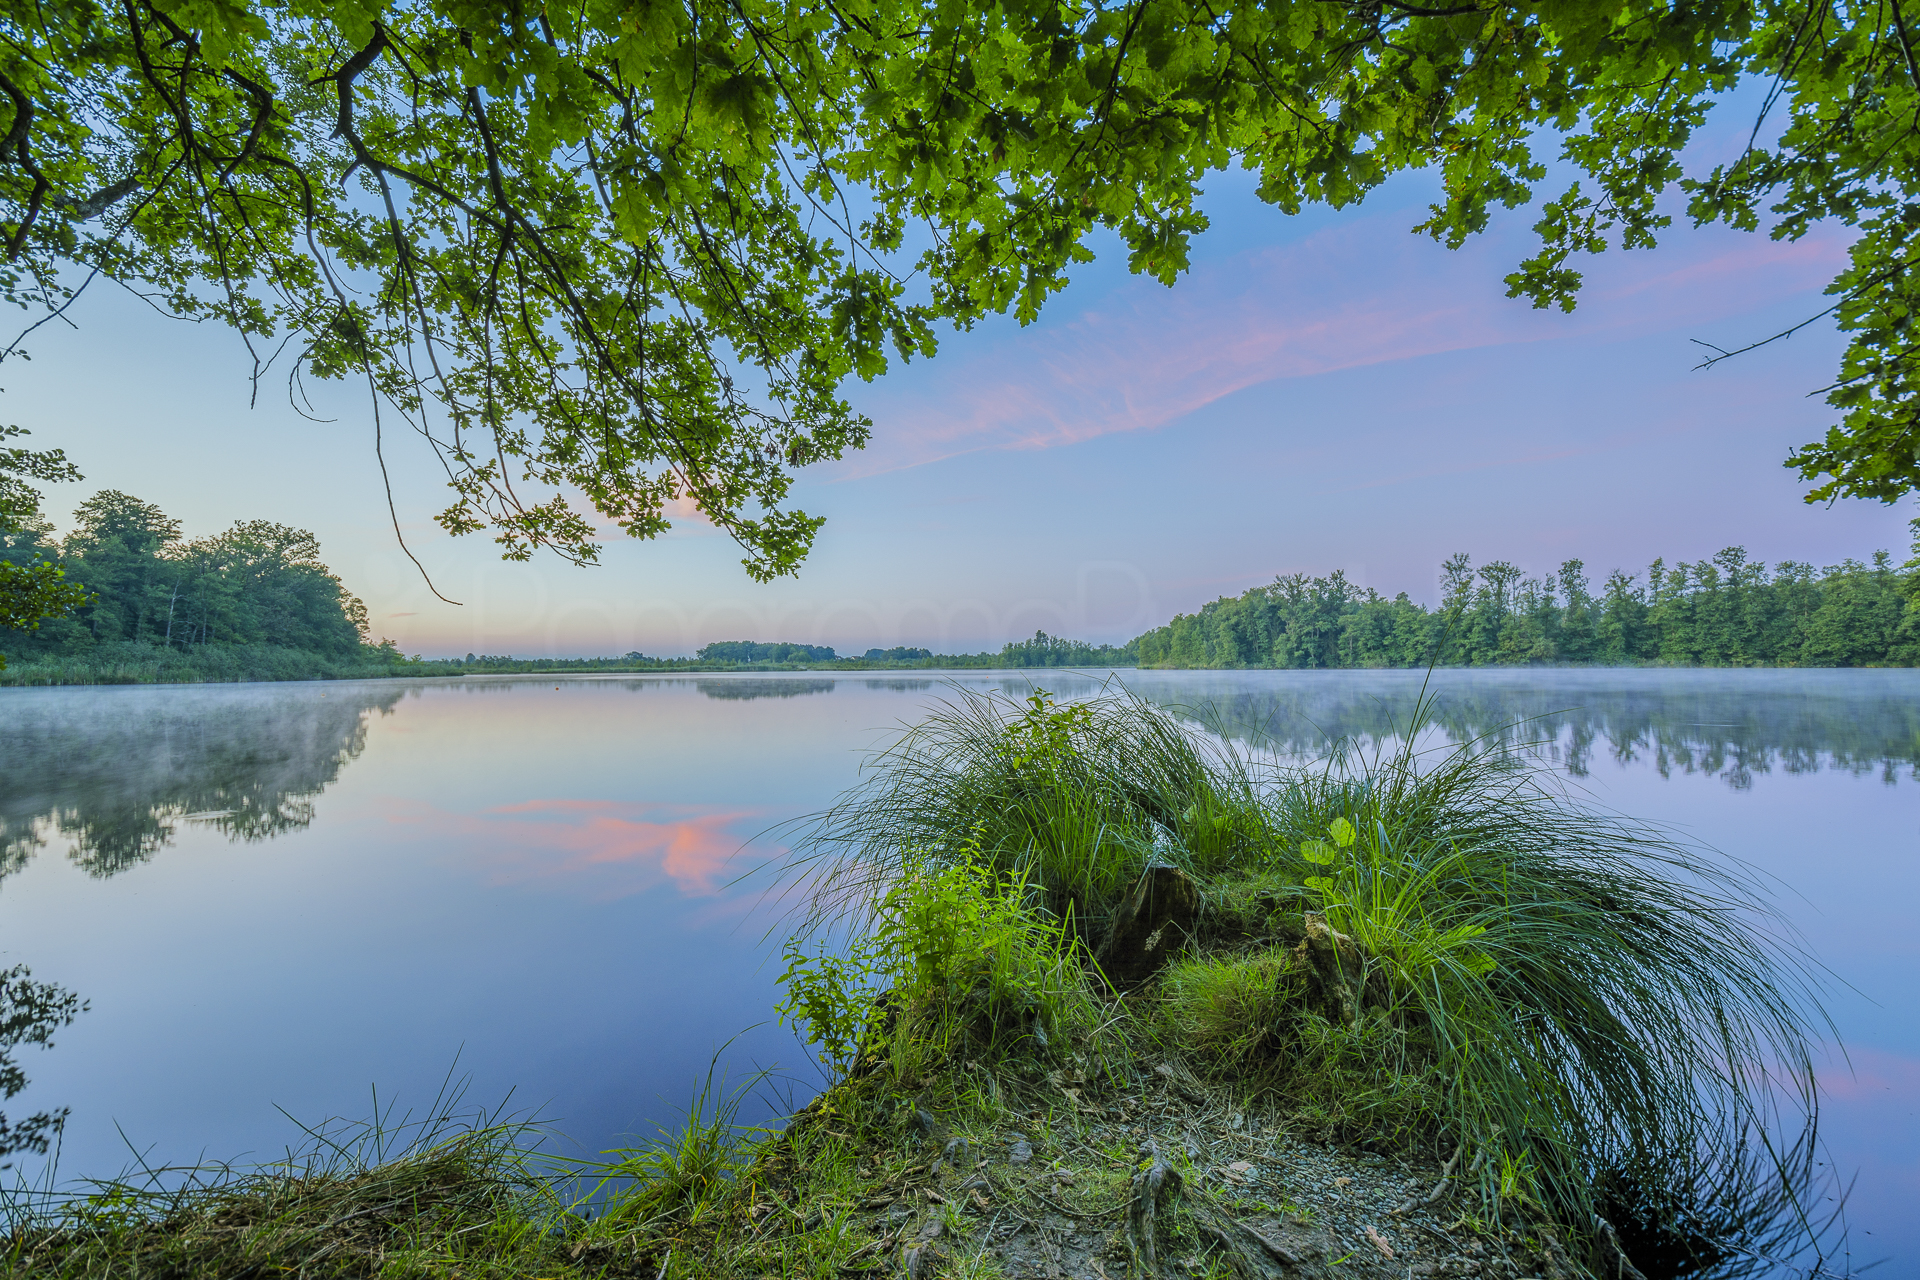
(954, 949)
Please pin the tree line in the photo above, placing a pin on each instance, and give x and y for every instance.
(1042, 650)
(755, 651)
(255, 584)
(1724, 611)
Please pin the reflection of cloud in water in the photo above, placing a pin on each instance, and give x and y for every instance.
(1869, 1073)
(118, 771)
(1730, 725)
(617, 847)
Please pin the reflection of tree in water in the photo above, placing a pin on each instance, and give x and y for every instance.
(117, 771)
(761, 687)
(722, 688)
(1725, 724)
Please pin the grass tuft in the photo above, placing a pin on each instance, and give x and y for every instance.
(1474, 957)
(1077, 799)
(358, 1199)
(1597, 995)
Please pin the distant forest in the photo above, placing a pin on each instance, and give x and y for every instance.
(1041, 651)
(256, 603)
(253, 602)
(1726, 611)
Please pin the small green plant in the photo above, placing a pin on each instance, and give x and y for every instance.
(953, 947)
(1042, 737)
(1389, 904)
(682, 1171)
(833, 999)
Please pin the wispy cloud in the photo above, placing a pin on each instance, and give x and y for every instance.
(610, 848)
(1149, 356)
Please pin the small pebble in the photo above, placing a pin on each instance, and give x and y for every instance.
(1020, 1152)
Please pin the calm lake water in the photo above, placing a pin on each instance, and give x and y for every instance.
(279, 899)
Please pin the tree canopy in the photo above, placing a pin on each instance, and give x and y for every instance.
(32, 588)
(630, 251)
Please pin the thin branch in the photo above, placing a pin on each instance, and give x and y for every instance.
(1788, 332)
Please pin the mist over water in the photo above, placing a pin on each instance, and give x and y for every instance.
(116, 773)
(1727, 724)
(284, 896)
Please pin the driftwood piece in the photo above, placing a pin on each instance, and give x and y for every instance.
(1159, 914)
(1266, 1248)
(1338, 965)
(1614, 1263)
(1151, 1190)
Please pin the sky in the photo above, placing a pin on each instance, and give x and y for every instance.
(1325, 391)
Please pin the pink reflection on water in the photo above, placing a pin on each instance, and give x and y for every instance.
(612, 847)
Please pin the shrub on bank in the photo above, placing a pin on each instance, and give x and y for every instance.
(136, 662)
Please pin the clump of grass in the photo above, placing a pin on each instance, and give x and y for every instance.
(1234, 1012)
(1566, 995)
(1597, 995)
(1252, 1019)
(1076, 798)
(684, 1171)
(358, 1198)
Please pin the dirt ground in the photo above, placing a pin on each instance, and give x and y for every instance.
(1061, 1191)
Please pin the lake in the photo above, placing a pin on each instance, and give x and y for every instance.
(285, 901)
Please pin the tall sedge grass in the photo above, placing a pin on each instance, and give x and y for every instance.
(1599, 996)
(354, 1197)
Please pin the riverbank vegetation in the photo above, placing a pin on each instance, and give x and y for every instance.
(1098, 997)
(254, 602)
(1725, 611)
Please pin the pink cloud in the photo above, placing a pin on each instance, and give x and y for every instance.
(1149, 356)
(614, 847)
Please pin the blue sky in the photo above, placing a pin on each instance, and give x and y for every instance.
(1321, 392)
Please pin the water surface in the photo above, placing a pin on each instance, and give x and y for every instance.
(280, 898)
